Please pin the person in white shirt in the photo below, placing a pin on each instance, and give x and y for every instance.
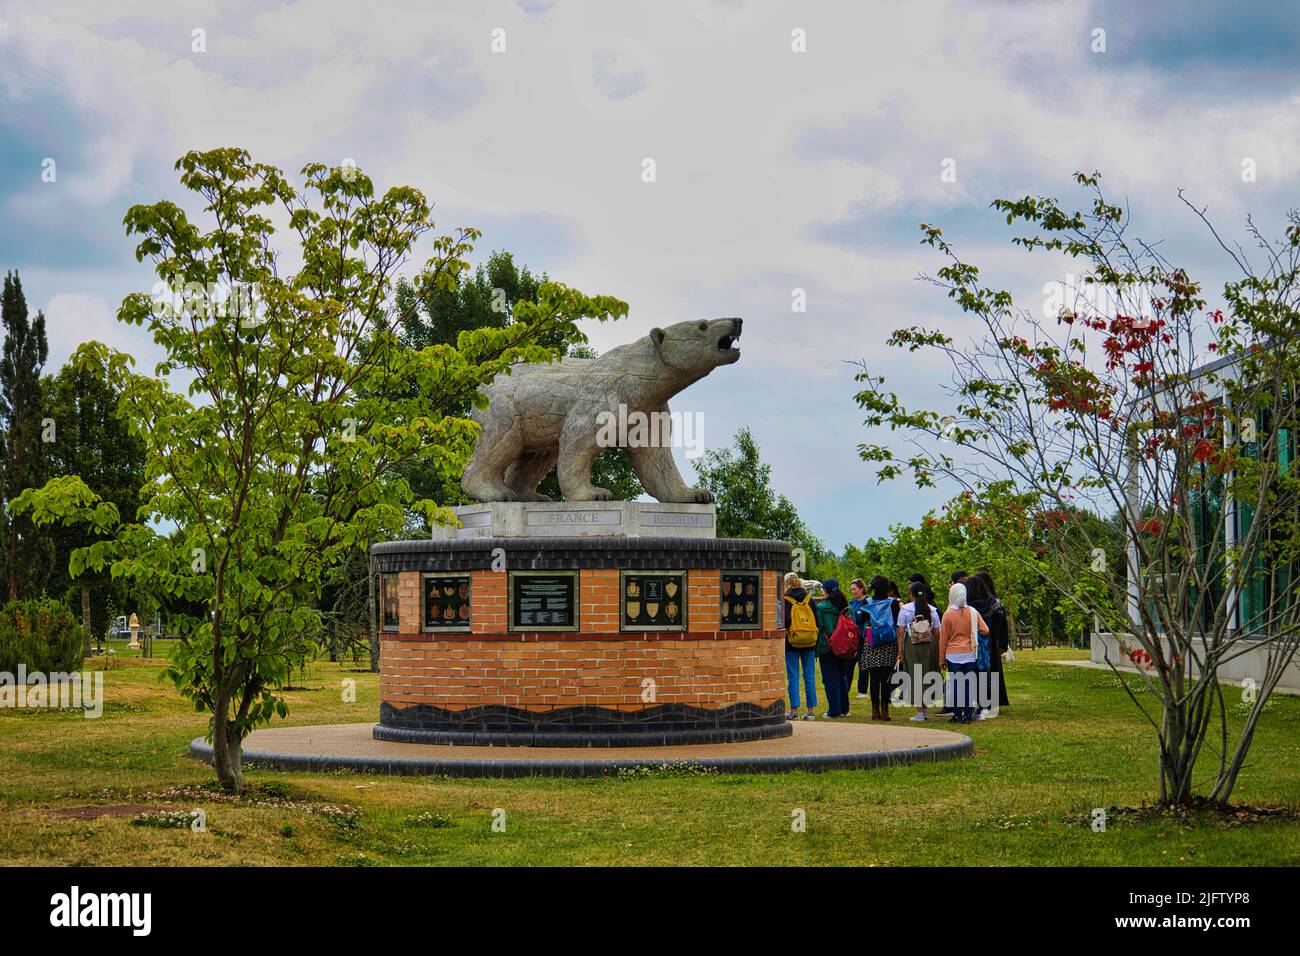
(918, 646)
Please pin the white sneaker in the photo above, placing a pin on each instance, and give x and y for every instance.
(918, 717)
(981, 715)
(862, 697)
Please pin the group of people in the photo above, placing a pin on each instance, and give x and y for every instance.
(904, 651)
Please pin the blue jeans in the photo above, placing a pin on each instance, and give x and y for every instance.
(793, 661)
(959, 692)
(837, 691)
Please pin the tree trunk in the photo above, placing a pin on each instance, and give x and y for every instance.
(11, 573)
(15, 487)
(85, 615)
(227, 749)
(374, 621)
(1177, 744)
(1228, 775)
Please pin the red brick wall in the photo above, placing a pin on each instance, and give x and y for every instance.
(701, 666)
(599, 608)
(408, 600)
(702, 601)
(607, 671)
(487, 598)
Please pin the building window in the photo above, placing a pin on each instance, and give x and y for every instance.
(446, 603)
(741, 594)
(389, 608)
(1209, 507)
(653, 601)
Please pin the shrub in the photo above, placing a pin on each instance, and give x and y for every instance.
(40, 634)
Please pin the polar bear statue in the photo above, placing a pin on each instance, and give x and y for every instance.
(541, 415)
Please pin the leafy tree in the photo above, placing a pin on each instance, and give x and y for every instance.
(93, 442)
(747, 505)
(21, 457)
(483, 299)
(40, 635)
(1010, 541)
(345, 610)
(1112, 407)
(288, 456)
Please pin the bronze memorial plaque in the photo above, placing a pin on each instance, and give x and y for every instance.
(653, 600)
(544, 601)
(740, 593)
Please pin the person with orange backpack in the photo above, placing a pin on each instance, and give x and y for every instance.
(801, 637)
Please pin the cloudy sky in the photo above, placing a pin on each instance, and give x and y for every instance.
(776, 168)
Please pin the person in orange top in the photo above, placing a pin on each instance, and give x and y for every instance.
(959, 652)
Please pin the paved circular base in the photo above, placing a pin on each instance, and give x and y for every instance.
(813, 745)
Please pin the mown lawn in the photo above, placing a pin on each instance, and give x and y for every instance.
(1071, 742)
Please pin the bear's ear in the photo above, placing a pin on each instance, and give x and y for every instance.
(657, 336)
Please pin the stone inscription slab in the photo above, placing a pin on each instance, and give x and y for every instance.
(668, 518)
(568, 519)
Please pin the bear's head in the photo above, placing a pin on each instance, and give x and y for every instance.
(694, 349)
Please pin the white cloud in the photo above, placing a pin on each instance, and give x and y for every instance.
(75, 317)
(757, 149)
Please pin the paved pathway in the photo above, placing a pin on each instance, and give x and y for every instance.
(815, 745)
(1131, 669)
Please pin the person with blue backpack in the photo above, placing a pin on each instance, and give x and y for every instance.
(877, 617)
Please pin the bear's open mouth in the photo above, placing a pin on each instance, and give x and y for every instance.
(728, 342)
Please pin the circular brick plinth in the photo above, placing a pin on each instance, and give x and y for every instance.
(461, 664)
(813, 746)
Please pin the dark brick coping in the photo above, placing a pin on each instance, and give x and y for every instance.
(568, 553)
(581, 766)
(588, 740)
(582, 725)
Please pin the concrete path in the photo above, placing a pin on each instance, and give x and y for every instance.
(815, 745)
(1131, 669)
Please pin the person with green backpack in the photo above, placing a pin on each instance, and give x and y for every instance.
(801, 639)
(829, 610)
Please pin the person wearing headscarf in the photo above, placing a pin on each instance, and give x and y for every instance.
(959, 631)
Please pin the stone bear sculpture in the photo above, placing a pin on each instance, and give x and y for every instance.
(543, 415)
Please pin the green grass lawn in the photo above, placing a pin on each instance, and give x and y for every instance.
(1071, 742)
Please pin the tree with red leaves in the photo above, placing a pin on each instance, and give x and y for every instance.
(1112, 408)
